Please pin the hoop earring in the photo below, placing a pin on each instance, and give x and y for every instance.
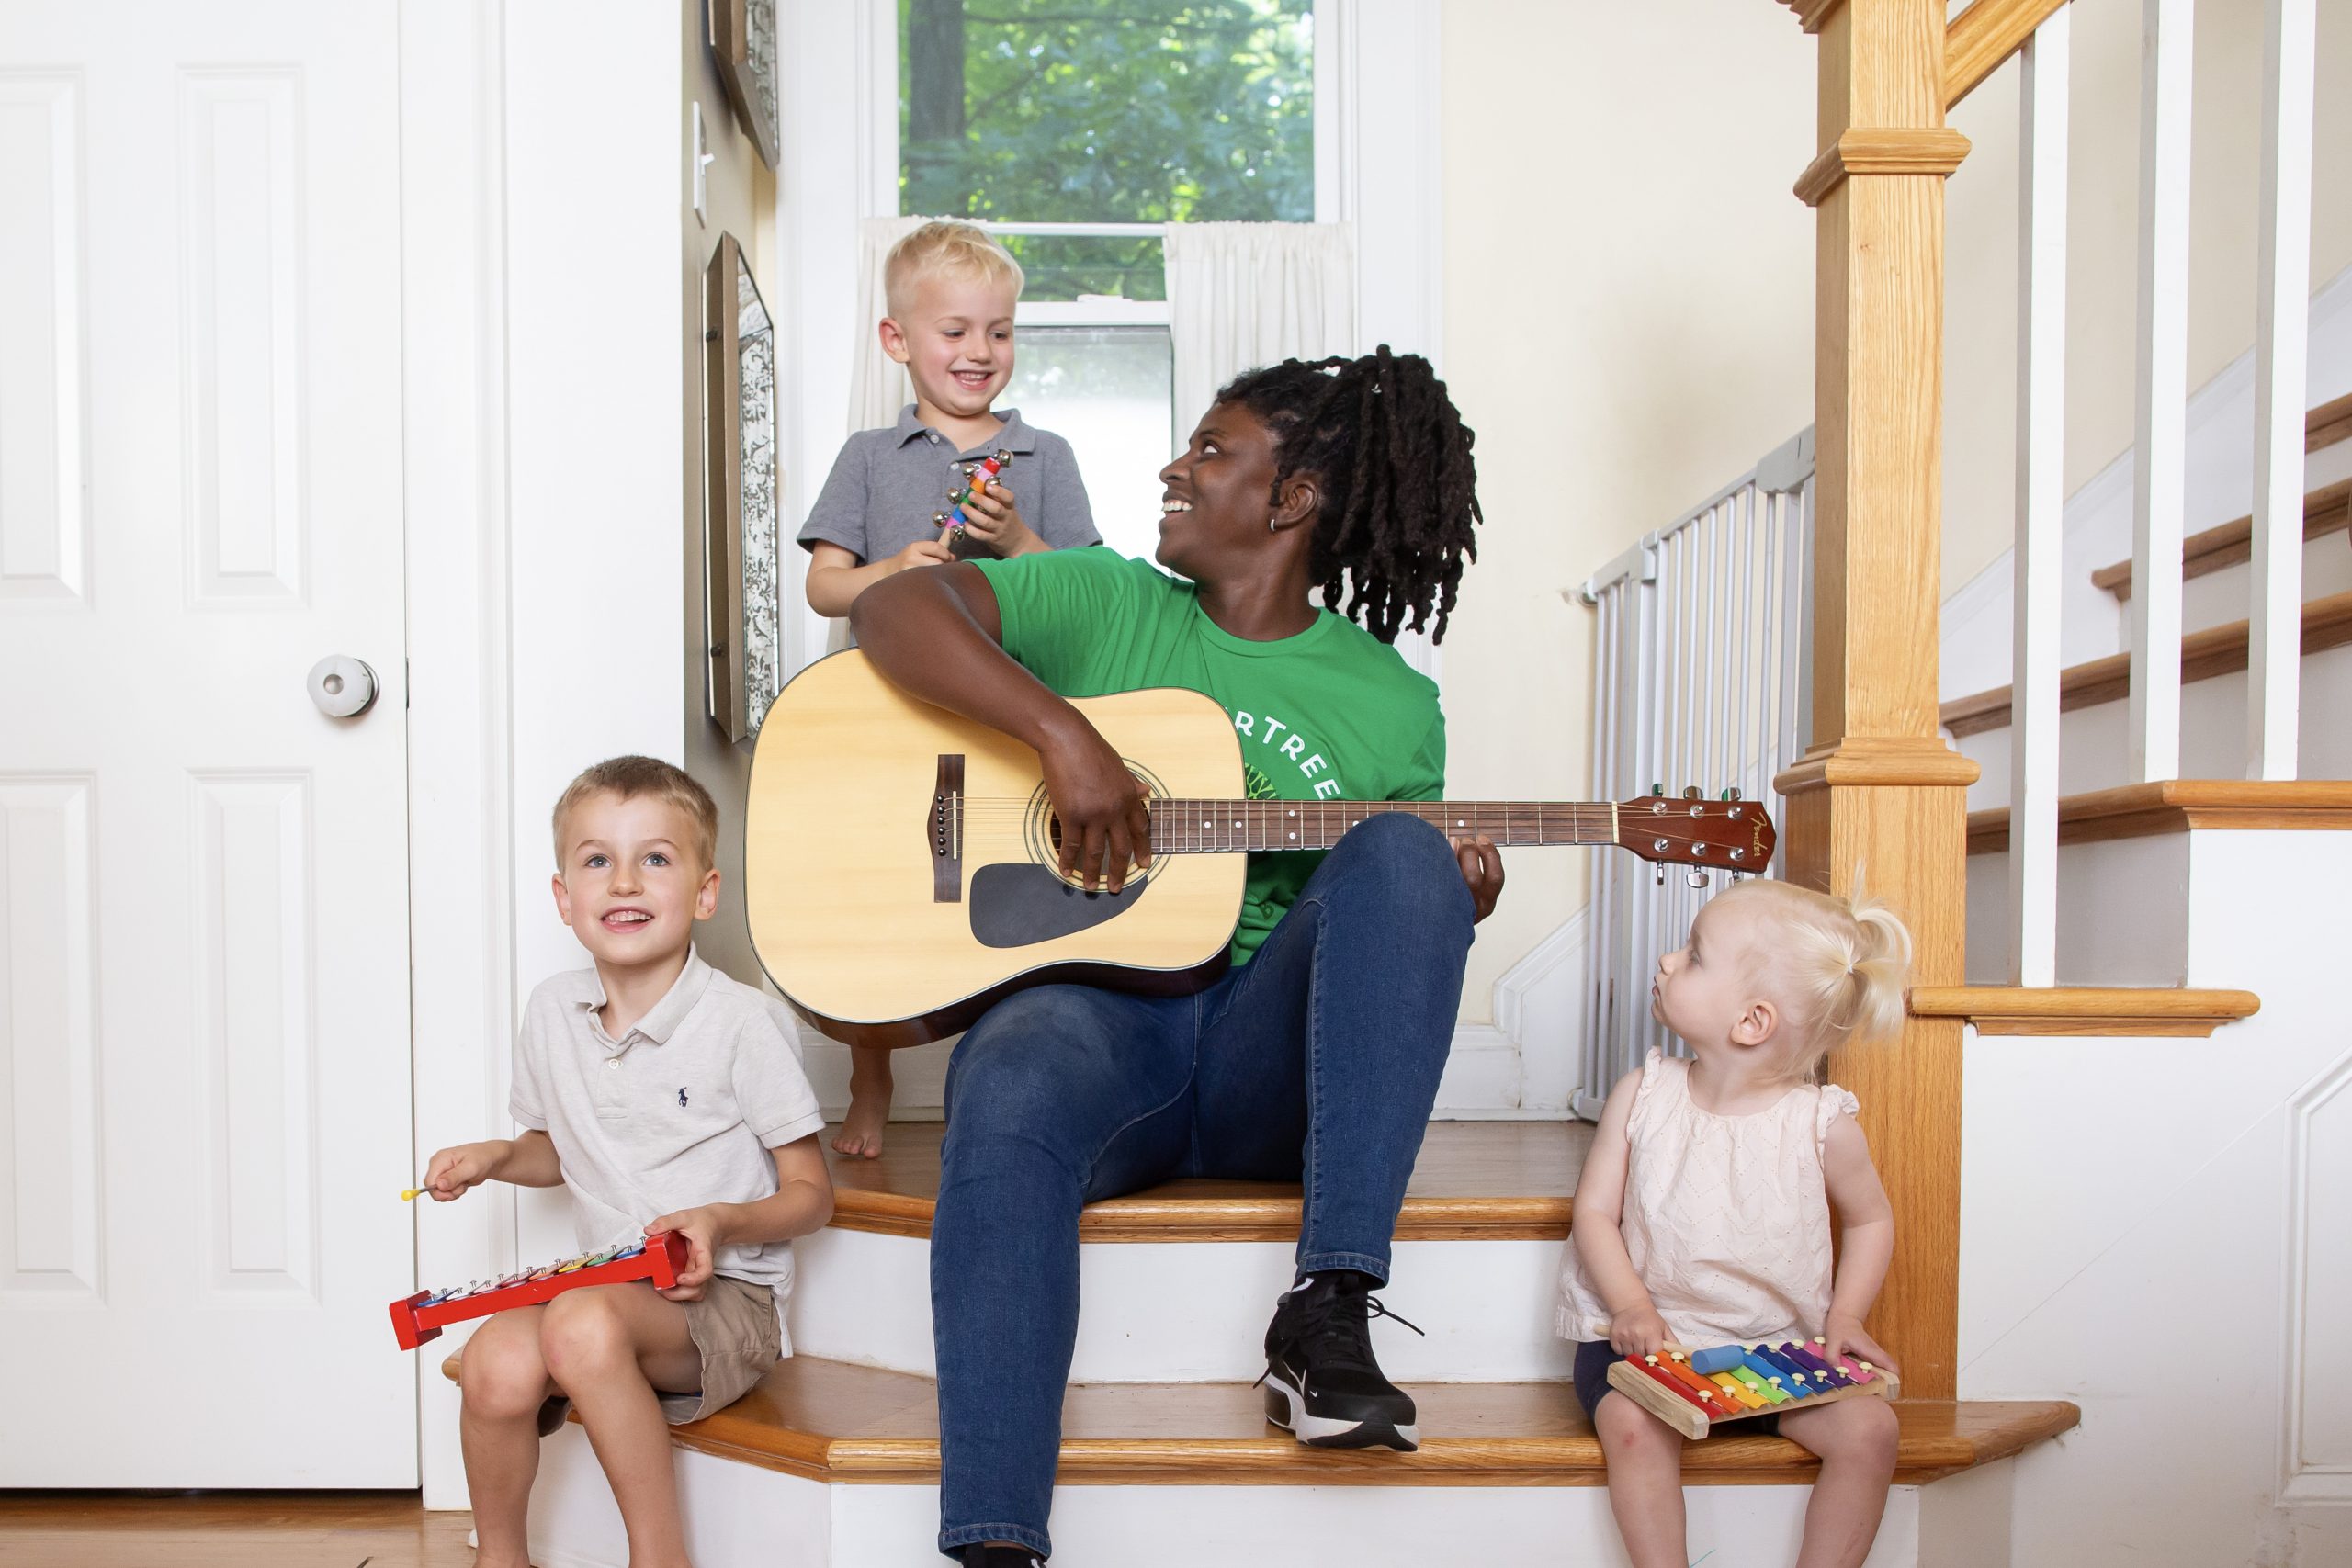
(1271, 527)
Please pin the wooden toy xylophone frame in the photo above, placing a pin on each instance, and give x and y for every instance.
(1694, 1413)
(413, 1322)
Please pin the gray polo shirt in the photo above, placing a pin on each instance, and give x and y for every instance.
(887, 484)
(681, 1111)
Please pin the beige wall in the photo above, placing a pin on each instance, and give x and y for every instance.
(1629, 315)
(1628, 325)
(1980, 209)
(741, 202)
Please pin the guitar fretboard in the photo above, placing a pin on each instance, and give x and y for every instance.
(1222, 827)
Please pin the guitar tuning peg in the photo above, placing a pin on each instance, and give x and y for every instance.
(1661, 877)
(1730, 795)
(1690, 792)
(1657, 789)
(1698, 878)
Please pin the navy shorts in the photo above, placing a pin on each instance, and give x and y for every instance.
(1594, 1358)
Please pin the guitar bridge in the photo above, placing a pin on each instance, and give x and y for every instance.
(943, 824)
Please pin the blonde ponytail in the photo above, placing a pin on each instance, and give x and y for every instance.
(1839, 967)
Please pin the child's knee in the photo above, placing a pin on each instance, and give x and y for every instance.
(584, 1335)
(1630, 1434)
(1856, 1431)
(502, 1375)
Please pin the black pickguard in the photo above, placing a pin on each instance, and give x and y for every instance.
(1015, 905)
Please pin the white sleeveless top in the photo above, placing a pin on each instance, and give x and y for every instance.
(1726, 1218)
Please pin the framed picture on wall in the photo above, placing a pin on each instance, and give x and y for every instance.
(742, 37)
(742, 534)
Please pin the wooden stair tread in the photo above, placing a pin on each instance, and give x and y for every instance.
(2133, 811)
(830, 1421)
(1475, 1181)
(2226, 544)
(2216, 650)
(2328, 423)
(2134, 1010)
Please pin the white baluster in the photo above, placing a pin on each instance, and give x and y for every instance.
(2281, 345)
(2042, 501)
(2158, 454)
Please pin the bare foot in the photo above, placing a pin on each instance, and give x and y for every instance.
(869, 1104)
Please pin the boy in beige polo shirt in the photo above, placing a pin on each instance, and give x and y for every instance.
(662, 1096)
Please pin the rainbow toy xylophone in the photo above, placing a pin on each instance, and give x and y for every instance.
(977, 476)
(422, 1317)
(1691, 1391)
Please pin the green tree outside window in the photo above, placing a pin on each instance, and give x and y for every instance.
(1105, 111)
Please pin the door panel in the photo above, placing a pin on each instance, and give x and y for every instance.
(204, 1045)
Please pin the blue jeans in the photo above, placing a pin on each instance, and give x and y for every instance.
(1316, 1062)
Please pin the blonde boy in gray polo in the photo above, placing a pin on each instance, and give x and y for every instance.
(951, 293)
(660, 1095)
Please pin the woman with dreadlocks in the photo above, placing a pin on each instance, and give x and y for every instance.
(1315, 1058)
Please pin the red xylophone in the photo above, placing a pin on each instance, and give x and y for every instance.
(1693, 1391)
(422, 1317)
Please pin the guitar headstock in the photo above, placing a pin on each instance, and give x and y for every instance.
(1724, 834)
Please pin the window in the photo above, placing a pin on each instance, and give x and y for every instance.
(1075, 129)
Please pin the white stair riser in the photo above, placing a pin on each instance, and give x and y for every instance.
(2092, 752)
(1179, 1312)
(738, 1516)
(2123, 913)
(2219, 597)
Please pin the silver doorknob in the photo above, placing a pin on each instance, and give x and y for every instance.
(344, 687)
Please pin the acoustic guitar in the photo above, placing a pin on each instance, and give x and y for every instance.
(903, 864)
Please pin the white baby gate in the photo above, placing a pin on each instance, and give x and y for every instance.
(1699, 667)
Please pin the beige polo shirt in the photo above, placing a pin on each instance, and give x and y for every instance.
(681, 1111)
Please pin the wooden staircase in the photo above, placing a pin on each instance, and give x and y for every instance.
(843, 1436)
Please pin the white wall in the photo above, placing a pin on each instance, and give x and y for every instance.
(545, 474)
(2174, 1262)
(1628, 324)
(739, 199)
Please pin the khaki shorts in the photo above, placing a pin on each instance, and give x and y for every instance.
(734, 1326)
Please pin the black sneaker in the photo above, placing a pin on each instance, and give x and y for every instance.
(1321, 1382)
(980, 1555)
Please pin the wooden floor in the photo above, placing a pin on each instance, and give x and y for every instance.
(230, 1529)
(1474, 1181)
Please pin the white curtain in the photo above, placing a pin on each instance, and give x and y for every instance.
(1242, 295)
(878, 388)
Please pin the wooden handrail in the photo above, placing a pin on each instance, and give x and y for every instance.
(1981, 37)
(2086, 1009)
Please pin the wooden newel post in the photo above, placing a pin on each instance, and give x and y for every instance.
(1878, 797)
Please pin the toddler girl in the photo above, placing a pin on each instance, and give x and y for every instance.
(1702, 1214)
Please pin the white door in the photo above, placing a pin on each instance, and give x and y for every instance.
(204, 1041)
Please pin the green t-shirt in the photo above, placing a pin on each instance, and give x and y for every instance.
(1332, 714)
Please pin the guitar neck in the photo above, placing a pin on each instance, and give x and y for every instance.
(1224, 827)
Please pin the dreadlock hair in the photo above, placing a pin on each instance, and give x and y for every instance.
(1399, 490)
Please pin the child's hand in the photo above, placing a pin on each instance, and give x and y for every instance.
(923, 552)
(701, 1229)
(1637, 1332)
(452, 1171)
(992, 517)
(1844, 1336)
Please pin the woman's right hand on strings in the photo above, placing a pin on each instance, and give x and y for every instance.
(1637, 1331)
(1105, 828)
(453, 1170)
